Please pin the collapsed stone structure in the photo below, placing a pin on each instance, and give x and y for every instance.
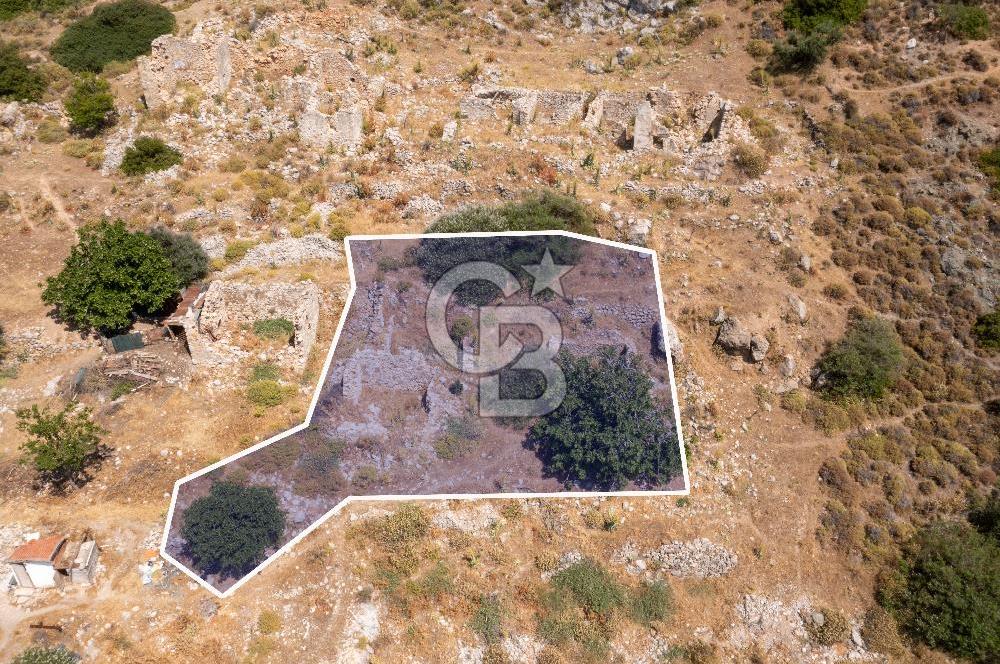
(636, 119)
(228, 308)
(203, 61)
(327, 101)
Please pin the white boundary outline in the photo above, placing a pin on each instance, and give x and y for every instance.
(444, 496)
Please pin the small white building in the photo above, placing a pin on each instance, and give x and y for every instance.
(47, 562)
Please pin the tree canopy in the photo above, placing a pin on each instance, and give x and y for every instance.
(608, 431)
(229, 530)
(946, 592)
(18, 82)
(188, 258)
(111, 275)
(60, 445)
(116, 31)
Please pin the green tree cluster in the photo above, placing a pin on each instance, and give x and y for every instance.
(545, 210)
(11, 8)
(18, 81)
(117, 31)
(608, 431)
(813, 26)
(229, 530)
(189, 260)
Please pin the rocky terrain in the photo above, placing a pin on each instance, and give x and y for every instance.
(784, 204)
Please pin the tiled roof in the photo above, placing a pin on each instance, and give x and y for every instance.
(37, 551)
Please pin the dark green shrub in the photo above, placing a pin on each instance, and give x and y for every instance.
(807, 15)
(60, 445)
(985, 516)
(987, 330)
(965, 21)
(90, 105)
(188, 258)
(804, 51)
(545, 210)
(11, 8)
(229, 530)
(109, 276)
(946, 592)
(608, 431)
(118, 31)
(18, 82)
(989, 163)
(591, 586)
(864, 363)
(46, 655)
(148, 155)
(276, 329)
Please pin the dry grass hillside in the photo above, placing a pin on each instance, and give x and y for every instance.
(862, 185)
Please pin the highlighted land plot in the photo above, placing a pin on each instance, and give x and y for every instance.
(464, 366)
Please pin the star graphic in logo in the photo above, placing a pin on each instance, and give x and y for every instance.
(547, 275)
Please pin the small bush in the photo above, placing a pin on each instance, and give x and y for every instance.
(91, 105)
(265, 371)
(118, 31)
(752, 162)
(834, 628)
(965, 21)
(803, 51)
(591, 586)
(18, 82)
(148, 155)
(487, 622)
(51, 131)
(237, 249)
(269, 622)
(266, 393)
(188, 258)
(881, 634)
(46, 655)
(862, 364)
(653, 601)
(275, 329)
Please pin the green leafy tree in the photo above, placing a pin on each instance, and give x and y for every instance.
(946, 592)
(544, 210)
(109, 276)
(46, 655)
(806, 15)
(18, 82)
(148, 155)
(862, 364)
(804, 51)
(188, 258)
(608, 431)
(90, 106)
(987, 330)
(116, 31)
(60, 445)
(229, 530)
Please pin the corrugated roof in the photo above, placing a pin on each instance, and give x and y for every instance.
(41, 550)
